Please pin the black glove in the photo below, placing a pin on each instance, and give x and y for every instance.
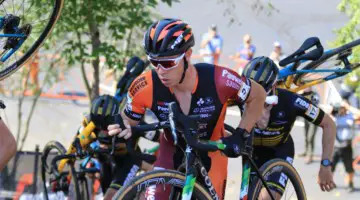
(235, 144)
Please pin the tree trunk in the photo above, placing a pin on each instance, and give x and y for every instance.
(23, 87)
(95, 43)
(82, 65)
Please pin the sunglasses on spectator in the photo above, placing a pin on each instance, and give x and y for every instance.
(166, 63)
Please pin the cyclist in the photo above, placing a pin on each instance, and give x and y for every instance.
(197, 89)
(7, 143)
(103, 109)
(272, 137)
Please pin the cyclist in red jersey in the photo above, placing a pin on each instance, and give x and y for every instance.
(197, 89)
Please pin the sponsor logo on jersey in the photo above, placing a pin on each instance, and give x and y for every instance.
(283, 179)
(231, 77)
(279, 122)
(208, 100)
(281, 114)
(206, 109)
(137, 85)
(200, 102)
(312, 112)
(244, 91)
(301, 103)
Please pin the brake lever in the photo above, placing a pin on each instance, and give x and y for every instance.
(77, 146)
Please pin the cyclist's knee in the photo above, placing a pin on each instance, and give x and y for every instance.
(146, 166)
(109, 194)
(264, 195)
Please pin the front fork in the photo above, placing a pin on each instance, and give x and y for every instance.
(248, 162)
(190, 174)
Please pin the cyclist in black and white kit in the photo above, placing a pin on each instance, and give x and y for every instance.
(272, 137)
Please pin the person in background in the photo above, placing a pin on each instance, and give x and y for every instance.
(32, 67)
(276, 55)
(244, 54)
(211, 45)
(310, 129)
(344, 136)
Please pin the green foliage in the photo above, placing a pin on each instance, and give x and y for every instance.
(113, 18)
(90, 29)
(350, 32)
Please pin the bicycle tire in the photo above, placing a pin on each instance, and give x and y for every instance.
(58, 146)
(48, 147)
(12, 68)
(84, 189)
(286, 168)
(325, 57)
(171, 177)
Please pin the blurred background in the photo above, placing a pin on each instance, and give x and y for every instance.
(91, 43)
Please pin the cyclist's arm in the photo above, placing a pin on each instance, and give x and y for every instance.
(230, 86)
(315, 115)
(7, 145)
(328, 137)
(139, 97)
(254, 106)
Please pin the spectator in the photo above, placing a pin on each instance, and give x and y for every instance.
(211, 45)
(344, 135)
(244, 54)
(276, 55)
(310, 129)
(32, 67)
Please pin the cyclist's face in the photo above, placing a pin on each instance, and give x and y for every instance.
(171, 76)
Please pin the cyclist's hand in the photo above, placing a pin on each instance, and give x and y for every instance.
(235, 144)
(114, 129)
(325, 179)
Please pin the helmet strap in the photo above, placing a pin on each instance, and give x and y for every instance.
(186, 65)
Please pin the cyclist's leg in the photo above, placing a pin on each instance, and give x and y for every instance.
(126, 169)
(165, 160)
(277, 181)
(261, 155)
(105, 172)
(218, 172)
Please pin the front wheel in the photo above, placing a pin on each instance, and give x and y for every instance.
(143, 186)
(288, 174)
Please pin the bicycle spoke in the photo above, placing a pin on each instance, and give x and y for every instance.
(21, 6)
(4, 8)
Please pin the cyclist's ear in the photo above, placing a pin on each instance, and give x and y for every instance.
(188, 54)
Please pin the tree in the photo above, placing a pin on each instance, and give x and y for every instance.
(349, 32)
(108, 28)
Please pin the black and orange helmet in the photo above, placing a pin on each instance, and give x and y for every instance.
(168, 37)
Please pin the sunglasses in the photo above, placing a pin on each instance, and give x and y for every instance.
(166, 63)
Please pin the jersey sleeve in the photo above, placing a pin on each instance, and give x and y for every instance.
(139, 97)
(308, 110)
(230, 86)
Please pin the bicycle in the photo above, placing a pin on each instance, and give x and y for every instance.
(24, 33)
(195, 182)
(55, 173)
(333, 63)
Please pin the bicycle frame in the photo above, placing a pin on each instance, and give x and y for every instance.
(289, 71)
(194, 167)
